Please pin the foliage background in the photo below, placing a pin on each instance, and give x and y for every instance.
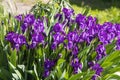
(109, 12)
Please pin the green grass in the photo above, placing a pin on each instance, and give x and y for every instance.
(103, 10)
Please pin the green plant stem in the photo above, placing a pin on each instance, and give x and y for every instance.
(28, 59)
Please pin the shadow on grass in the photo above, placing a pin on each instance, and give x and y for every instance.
(96, 4)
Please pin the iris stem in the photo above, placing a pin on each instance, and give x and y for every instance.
(28, 59)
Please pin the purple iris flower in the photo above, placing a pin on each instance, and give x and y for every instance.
(107, 25)
(58, 27)
(38, 26)
(33, 45)
(89, 39)
(29, 19)
(81, 21)
(58, 37)
(48, 64)
(101, 51)
(36, 39)
(24, 27)
(86, 37)
(76, 65)
(107, 33)
(111, 30)
(73, 36)
(68, 12)
(91, 21)
(19, 17)
(54, 45)
(99, 56)
(93, 31)
(103, 37)
(89, 34)
(28, 22)
(97, 68)
(81, 38)
(75, 50)
(16, 40)
(70, 45)
(90, 64)
(9, 36)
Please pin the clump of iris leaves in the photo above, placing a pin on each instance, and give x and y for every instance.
(54, 43)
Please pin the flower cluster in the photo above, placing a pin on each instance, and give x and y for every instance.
(58, 36)
(87, 30)
(107, 33)
(16, 40)
(72, 32)
(30, 27)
